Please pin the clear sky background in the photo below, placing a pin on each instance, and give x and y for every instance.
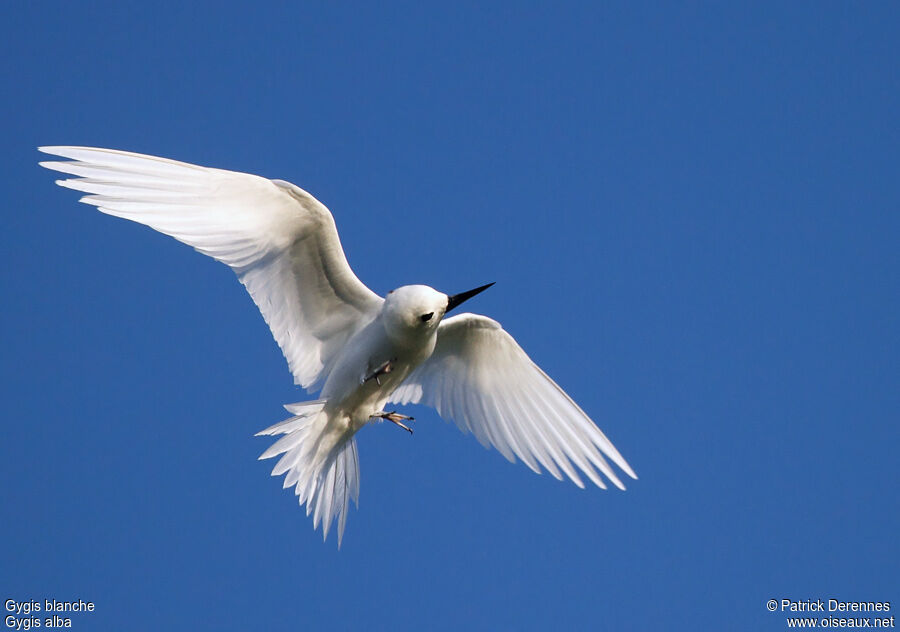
(691, 212)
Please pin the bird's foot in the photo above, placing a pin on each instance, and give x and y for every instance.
(394, 417)
(384, 369)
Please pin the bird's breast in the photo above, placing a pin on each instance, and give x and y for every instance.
(369, 369)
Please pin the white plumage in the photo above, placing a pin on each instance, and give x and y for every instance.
(481, 378)
(336, 334)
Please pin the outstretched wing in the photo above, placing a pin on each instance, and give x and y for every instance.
(479, 377)
(280, 240)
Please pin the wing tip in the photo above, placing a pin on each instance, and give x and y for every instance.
(57, 150)
(627, 469)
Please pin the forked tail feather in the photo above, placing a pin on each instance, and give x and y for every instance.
(322, 466)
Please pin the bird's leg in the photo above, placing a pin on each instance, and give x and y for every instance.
(384, 369)
(394, 417)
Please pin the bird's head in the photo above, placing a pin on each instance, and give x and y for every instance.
(415, 309)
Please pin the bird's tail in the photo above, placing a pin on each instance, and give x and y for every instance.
(321, 464)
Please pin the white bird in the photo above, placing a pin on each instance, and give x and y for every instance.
(362, 350)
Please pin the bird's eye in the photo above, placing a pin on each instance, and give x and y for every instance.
(426, 317)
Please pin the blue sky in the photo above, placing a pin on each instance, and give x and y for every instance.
(691, 214)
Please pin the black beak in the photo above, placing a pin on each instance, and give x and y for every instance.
(458, 299)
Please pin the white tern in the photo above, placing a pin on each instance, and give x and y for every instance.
(363, 351)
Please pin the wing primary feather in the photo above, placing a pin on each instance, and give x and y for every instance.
(574, 448)
(553, 441)
(531, 454)
(280, 241)
(601, 440)
(479, 377)
(502, 430)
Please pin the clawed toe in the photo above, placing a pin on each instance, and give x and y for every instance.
(396, 418)
(384, 369)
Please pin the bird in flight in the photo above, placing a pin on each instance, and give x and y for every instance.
(361, 351)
